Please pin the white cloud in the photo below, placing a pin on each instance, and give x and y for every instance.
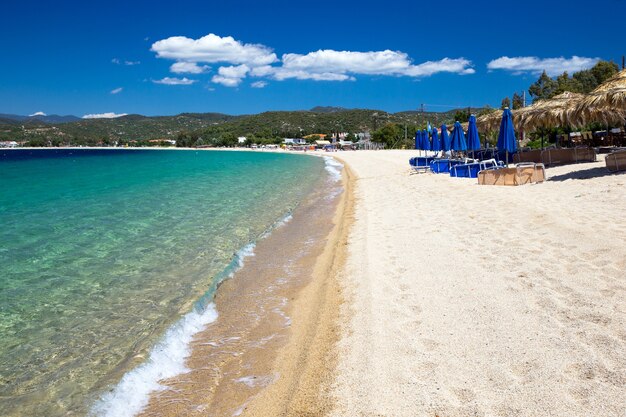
(258, 84)
(188, 68)
(37, 113)
(335, 65)
(330, 65)
(212, 49)
(257, 60)
(535, 65)
(109, 115)
(281, 73)
(117, 61)
(116, 90)
(231, 76)
(174, 81)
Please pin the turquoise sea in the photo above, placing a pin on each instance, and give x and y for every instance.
(103, 251)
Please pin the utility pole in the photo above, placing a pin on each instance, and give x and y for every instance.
(623, 61)
(523, 105)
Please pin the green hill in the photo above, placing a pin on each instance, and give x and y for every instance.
(213, 128)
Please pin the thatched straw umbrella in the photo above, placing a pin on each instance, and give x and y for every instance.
(557, 111)
(490, 122)
(607, 103)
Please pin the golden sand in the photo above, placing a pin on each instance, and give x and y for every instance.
(270, 353)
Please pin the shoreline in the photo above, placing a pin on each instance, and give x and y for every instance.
(209, 316)
(234, 361)
(307, 362)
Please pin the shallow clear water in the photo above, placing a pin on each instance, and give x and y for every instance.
(102, 251)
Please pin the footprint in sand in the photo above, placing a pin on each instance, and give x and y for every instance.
(524, 370)
(464, 395)
(425, 370)
(430, 344)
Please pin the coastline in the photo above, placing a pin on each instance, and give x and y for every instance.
(242, 360)
(307, 362)
(171, 342)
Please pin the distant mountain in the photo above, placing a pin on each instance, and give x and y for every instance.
(327, 109)
(50, 119)
(209, 127)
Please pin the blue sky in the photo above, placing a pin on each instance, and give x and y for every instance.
(121, 57)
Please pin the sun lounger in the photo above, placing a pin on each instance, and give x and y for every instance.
(560, 156)
(440, 166)
(471, 170)
(421, 163)
(524, 173)
(616, 161)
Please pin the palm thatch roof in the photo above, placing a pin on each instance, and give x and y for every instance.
(557, 111)
(607, 103)
(490, 122)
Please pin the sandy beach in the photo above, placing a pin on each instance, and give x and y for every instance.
(465, 300)
(428, 296)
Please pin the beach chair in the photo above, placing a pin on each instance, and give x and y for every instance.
(442, 166)
(421, 164)
(471, 169)
(616, 161)
(523, 173)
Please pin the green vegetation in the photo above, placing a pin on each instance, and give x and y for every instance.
(580, 82)
(215, 129)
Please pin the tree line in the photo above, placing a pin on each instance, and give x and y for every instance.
(546, 87)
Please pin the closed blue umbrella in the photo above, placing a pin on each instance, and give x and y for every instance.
(458, 138)
(436, 146)
(473, 141)
(445, 138)
(506, 137)
(425, 140)
(418, 140)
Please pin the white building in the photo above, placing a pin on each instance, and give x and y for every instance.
(241, 139)
(8, 144)
(290, 141)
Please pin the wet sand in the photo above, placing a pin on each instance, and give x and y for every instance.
(269, 351)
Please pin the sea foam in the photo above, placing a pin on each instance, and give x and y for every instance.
(167, 358)
(333, 167)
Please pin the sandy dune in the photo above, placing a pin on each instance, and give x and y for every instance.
(466, 300)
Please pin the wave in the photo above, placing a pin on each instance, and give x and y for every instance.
(333, 167)
(167, 358)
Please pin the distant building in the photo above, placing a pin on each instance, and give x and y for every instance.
(242, 139)
(346, 145)
(290, 141)
(170, 141)
(315, 136)
(8, 144)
